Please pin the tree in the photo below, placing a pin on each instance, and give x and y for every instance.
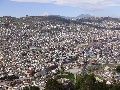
(79, 82)
(118, 69)
(34, 88)
(88, 82)
(69, 86)
(26, 88)
(31, 88)
(53, 84)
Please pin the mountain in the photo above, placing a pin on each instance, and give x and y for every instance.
(84, 15)
(78, 17)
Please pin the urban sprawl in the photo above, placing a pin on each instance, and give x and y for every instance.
(36, 48)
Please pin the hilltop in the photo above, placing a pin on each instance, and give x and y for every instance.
(95, 22)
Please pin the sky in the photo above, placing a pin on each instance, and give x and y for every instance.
(71, 8)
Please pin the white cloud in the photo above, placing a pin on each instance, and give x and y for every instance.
(85, 4)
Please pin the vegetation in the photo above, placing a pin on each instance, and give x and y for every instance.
(53, 84)
(12, 77)
(118, 69)
(87, 82)
(99, 77)
(94, 68)
(69, 76)
(31, 88)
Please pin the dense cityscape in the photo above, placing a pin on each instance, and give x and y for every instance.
(34, 49)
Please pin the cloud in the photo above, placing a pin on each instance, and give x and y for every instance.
(85, 4)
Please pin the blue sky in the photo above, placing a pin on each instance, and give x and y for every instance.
(19, 8)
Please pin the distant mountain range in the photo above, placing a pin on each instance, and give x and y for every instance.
(78, 17)
(84, 15)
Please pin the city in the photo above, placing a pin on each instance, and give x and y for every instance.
(34, 49)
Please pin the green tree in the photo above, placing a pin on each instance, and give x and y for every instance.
(31, 88)
(53, 84)
(35, 88)
(88, 82)
(101, 85)
(26, 88)
(118, 69)
(79, 82)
